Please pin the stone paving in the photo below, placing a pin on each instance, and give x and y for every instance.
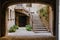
(23, 32)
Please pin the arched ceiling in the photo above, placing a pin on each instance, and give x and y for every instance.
(6, 3)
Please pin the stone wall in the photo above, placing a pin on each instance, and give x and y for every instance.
(44, 16)
(10, 17)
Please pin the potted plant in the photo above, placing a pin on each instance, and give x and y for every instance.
(28, 27)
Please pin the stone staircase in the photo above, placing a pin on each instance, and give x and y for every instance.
(37, 24)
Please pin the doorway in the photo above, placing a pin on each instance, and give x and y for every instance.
(22, 21)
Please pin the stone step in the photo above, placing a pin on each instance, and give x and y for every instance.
(40, 29)
(35, 19)
(37, 25)
(36, 22)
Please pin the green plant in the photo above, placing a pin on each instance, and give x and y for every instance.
(28, 27)
(41, 10)
(13, 28)
(44, 12)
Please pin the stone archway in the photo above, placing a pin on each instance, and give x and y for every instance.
(23, 15)
(21, 18)
(5, 4)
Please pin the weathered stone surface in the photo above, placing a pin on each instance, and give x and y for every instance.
(28, 38)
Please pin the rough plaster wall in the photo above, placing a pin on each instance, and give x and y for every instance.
(11, 18)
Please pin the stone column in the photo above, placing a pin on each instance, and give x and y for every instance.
(50, 19)
(30, 19)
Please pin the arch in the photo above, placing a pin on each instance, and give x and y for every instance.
(6, 3)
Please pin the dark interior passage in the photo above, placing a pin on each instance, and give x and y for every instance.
(22, 21)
